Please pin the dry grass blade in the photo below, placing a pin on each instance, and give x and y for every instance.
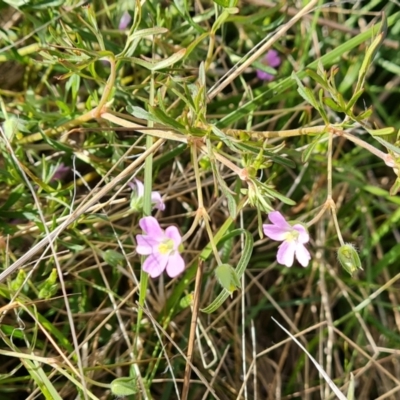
(331, 384)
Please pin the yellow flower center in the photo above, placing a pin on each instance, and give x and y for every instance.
(166, 247)
(292, 236)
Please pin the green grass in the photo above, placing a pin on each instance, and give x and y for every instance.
(174, 101)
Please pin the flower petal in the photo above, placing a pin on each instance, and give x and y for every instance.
(285, 253)
(304, 237)
(278, 219)
(303, 255)
(151, 226)
(124, 21)
(138, 187)
(175, 265)
(172, 233)
(264, 76)
(157, 201)
(146, 245)
(272, 58)
(274, 232)
(60, 172)
(155, 264)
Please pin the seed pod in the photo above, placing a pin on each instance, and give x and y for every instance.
(124, 387)
(348, 257)
(227, 277)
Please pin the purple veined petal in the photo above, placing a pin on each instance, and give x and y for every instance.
(175, 265)
(304, 237)
(157, 201)
(272, 58)
(278, 219)
(172, 233)
(285, 255)
(264, 76)
(274, 232)
(151, 226)
(155, 264)
(137, 186)
(146, 245)
(124, 21)
(303, 255)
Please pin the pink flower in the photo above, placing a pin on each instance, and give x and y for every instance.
(124, 21)
(60, 172)
(293, 238)
(137, 198)
(271, 59)
(161, 247)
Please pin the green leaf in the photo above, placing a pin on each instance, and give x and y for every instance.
(231, 204)
(279, 196)
(183, 7)
(304, 92)
(353, 100)
(224, 15)
(331, 104)
(310, 148)
(381, 132)
(41, 379)
(140, 113)
(165, 119)
(73, 84)
(17, 283)
(365, 114)
(395, 188)
(239, 270)
(321, 109)
(389, 146)
(156, 66)
(49, 287)
(317, 78)
(142, 33)
(17, 3)
(222, 3)
(195, 43)
(351, 389)
(370, 54)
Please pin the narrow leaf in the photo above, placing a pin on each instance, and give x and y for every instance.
(156, 66)
(239, 270)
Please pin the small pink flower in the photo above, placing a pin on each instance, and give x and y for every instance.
(124, 21)
(271, 59)
(60, 172)
(293, 238)
(138, 189)
(161, 247)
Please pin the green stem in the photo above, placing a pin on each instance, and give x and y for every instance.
(335, 221)
(329, 172)
(201, 211)
(148, 179)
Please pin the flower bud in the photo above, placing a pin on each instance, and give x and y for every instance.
(348, 257)
(227, 277)
(124, 387)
